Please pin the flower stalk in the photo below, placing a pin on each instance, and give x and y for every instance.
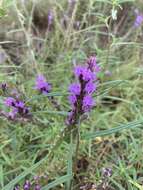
(81, 100)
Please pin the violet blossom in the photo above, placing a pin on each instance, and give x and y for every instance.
(37, 187)
(27, 185)
(81, 97)
(17, 187)
(50, 19)
(17, 108)
(10, 101)
(42, 85)
(44, 88)
(107, 172)
(139, 19)
(3, 86)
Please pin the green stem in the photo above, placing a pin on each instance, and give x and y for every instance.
(76, 150)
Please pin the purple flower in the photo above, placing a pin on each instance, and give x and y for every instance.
(27, 185)
(41, 84)
(17, 187)
(92, 62)
(71, 118)
(9, 101)
(72, 99)
(88, 75)
(3, 86)
(85, 73)
(88, 103)
(50, 18)
(12, 114)
(75, 88)
(37, 187)
(21, 107)
(90, 87)
(17, 107)
(78, 70)
(20, 104)
(138, 20)
(36, 178)
(107, 172)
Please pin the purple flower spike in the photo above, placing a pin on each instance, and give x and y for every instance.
(41, 84)
(81, 99)
(27, 185)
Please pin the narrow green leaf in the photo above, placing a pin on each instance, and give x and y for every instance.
(70, 163)
(104, 1)
(125, 1)
(58, 181)
(37, 97)
(1, 176)
(113, 130)
(140, 187)
(11, 184)
(52, 112)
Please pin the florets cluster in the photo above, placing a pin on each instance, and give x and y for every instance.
(28, 186)
(17, 108)
(81, 92)
(42, 85)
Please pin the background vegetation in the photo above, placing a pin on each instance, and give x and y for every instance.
(50, 37)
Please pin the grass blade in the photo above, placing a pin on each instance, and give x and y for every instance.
(113, 130)
(58, 181)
